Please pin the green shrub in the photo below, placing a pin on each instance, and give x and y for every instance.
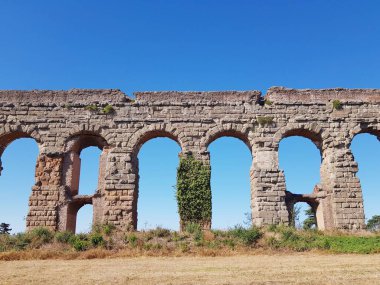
(337, 105)
(80, 242)
(21, 241)
(63, 237)
(289, 234)
(108, 229)
(229, 242)
(272, 228)
(184, 247)
(96, 239)
(246, 236)
(158, 232)
(198, 237)
(273, 243)
(81, 245)
(42, 234)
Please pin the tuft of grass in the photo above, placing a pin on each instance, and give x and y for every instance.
(337, 105)
(108, 109)
(192, 228)
(263, 120)
(92, 108)
(195, 230)
(268, 102)
(131, 240)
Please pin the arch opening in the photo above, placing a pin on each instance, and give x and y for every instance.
(365, 148)
(18, 156)
(157, 162)
(303, 215)
(301, 160)
(82, 223)
(313, 137)
(84, 166)
(229, 134)
(230, 182)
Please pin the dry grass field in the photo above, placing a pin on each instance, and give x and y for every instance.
(294, 268)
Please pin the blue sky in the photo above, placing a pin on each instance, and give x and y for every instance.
(188, 45)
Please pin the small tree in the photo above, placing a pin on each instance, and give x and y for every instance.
(373, 223)
(295, 215)
(4, 228)
(310, 221)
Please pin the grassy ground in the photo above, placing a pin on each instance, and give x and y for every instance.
(105, 242)
(293, 268)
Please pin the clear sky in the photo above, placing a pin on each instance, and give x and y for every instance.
(188, 45)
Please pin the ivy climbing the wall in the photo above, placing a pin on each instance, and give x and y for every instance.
(194, 191)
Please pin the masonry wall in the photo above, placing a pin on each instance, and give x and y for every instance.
(64, 122)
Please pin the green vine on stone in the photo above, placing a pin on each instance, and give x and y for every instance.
(193, 191)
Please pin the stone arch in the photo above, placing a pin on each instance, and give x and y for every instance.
(71, 174)
(154, 131)
(364, 128)
(314, 199)
(71, 164)
(14, 132)
(73, 209)
(241, 132)
(17, 132)
(90, 130)
(310, 131)
(134, 144)
(79, 141)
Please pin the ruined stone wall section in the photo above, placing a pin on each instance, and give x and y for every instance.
(286, 95)
(193, 120)
(51, 97)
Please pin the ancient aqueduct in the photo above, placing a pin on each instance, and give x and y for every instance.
(62, 126)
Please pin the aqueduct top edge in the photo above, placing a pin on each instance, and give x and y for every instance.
(288, 95)
(115, 96)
